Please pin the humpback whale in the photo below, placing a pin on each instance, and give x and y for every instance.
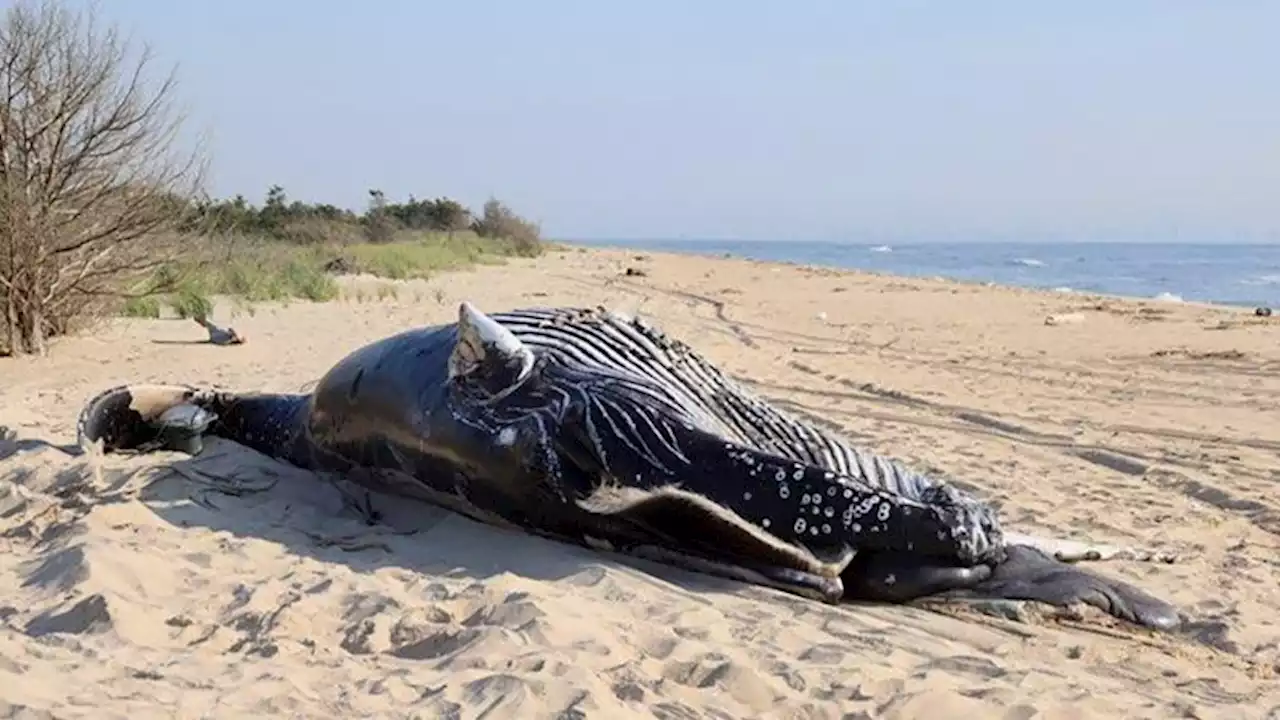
(591, 427)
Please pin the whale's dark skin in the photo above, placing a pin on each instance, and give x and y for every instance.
(471, 420)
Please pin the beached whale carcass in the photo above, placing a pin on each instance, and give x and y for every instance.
(591, 427)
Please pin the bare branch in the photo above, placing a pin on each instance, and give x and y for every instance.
(91, 176)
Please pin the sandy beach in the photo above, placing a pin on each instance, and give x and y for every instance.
(148, 588)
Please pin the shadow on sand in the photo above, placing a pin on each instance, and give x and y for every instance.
(11, 444)
(233, 489)
(181, 342)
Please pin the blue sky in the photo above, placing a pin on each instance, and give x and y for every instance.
(750, 119)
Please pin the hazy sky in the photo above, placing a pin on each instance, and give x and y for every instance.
(749, 119)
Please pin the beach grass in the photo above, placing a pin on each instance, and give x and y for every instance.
(253, 270)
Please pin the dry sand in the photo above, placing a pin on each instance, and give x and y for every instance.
(138, 591)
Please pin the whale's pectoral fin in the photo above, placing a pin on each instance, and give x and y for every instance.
(797, 503)
(145, 418)
(487, 356)
(1028, 574)
(687, 530)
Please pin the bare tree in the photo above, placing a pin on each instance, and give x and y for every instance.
(91, 182)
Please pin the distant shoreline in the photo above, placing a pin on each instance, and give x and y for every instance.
(1229, 275)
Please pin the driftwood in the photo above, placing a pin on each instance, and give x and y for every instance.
(219, 336)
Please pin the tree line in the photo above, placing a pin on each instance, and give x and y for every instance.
(288, 220)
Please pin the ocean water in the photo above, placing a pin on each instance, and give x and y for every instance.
(1246, 275)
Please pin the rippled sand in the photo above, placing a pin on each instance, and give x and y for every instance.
(234, 586)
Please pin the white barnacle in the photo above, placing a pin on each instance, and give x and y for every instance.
(826, 529)
(813, 529)
(746, 496)
(782, 475)
(883, 513)
(800, 525)
(766, 522)
(804, 499)
(784, 491)
(865, 506)
(799, 473)
(817, 510)
(857, 527)
(828, 511)
(831, 491)
(848, 493)
(828, 475)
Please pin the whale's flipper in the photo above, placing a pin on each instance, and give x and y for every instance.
(490, 358)
(687, 530)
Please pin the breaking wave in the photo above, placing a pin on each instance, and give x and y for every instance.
(1270, 279)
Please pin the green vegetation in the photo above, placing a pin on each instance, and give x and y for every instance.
(285, 251)
(101, 212)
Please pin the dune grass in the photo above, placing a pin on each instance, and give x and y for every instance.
(252, 270)
(426, 257)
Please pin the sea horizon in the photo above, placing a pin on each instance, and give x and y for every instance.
(1239, 273)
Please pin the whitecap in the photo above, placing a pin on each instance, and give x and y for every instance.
(1028, 262)
(1169, 297)
(882, 248)
(1271, 279)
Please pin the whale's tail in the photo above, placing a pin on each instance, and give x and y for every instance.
(144, 418)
